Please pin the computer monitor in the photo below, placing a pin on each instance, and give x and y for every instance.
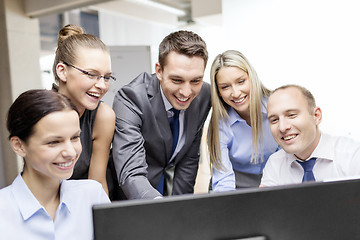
(308, 211)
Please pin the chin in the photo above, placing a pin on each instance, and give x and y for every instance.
(92, 106)
(66, 176)
(290, 150)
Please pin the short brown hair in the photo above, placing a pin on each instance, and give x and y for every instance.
(182, 42)
(305, 92)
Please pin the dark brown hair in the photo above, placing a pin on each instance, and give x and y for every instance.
(182, 42)
(30, 107)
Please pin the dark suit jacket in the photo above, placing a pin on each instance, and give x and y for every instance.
(142, 141)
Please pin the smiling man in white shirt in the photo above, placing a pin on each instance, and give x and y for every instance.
(294, 122)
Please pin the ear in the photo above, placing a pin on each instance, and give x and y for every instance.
(18, 146)
(317, 115)
(158, 71)
(61, 71)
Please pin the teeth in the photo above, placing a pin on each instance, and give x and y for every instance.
(94, 94)
(65, 164)
(289, 137)
(240, 100)
(182, 99)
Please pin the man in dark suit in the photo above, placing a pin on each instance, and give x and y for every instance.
(146, 162)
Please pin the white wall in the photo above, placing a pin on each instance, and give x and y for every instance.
(315, 44)
(212, 37)
(127, 62)
(120, 30)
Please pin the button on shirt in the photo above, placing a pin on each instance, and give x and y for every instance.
(338, 158)
(236, 148)
(23, 217)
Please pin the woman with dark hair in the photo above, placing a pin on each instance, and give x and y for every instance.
(40, 203)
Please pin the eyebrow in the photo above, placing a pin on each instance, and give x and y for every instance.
(198, 78)
(175, 76)
(181, 77)
(270, 116)
(287, 111)
(292, 110)
(236, 79)
(60, 137)
(52, 138)
(94, 70)
(55, 136)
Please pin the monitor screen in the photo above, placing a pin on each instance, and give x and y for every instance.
(328, 210)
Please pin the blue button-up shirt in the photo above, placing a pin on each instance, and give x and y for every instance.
(23, 217)
(236, 148)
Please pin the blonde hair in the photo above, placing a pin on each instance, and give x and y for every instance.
(71, 37)
(232, 58)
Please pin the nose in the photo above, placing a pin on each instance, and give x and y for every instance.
(235, 93)
(185, 90)
(69, 150)
(283, 125)
(101, 83)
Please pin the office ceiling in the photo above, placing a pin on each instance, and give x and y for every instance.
(37, 8)
(50, 22)
(181, 4)
(184, 5)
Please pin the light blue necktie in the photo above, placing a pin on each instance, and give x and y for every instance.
(308, 167)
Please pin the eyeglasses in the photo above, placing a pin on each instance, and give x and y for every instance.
(93, 75)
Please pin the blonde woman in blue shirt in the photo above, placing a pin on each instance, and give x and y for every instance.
(40, 203)
(240, 140)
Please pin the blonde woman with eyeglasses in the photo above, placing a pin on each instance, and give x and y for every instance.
(240, 140)
(82, 70)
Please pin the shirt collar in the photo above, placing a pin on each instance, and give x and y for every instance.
(325, 148)
(167, 104)
(66, 199)
(26, 201)
(234, 116)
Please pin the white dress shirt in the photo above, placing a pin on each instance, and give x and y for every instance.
(23, 217)
(338, 158)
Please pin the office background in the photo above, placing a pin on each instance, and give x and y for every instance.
(311, 43)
